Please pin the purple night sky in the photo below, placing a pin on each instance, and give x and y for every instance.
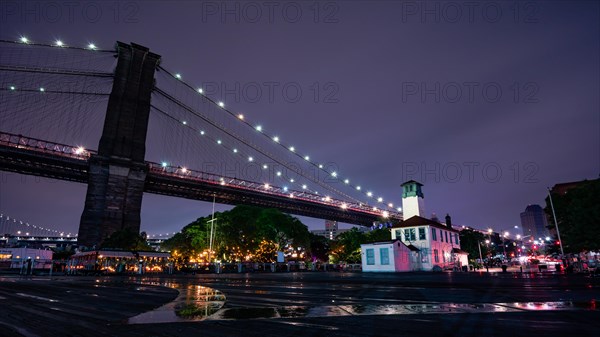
(516, 109)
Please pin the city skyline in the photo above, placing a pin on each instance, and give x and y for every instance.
(378, 101)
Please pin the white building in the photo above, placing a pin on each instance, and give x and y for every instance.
(430, 245)
(19, 258)
(390, 256)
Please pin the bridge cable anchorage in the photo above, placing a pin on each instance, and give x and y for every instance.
(333, 174)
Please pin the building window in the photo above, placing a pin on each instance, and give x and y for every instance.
(443, 256)
(446, 236)
(456, 238)
(424, 255)
(370, 256)
(433, 234)
(422, 234)
(398, 234)
(384, 254)
(436, 256)
(441, 235)
(410, 234)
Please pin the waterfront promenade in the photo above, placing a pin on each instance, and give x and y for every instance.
(301, 304)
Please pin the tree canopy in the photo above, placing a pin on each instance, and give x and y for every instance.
(578, 217)
(126, 239)
(242, 233)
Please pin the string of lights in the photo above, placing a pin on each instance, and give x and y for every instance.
(276, 139)
(91, 46)
(240, 117)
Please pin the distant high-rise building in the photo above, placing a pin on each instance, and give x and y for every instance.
(331, 230)
(331, 225)
(534, 222)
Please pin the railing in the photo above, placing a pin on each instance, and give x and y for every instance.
(38, 145)
(63, 150)
(210, 178)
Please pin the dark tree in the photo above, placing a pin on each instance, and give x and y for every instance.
(126, 239)
(578, 216)
(319, 247)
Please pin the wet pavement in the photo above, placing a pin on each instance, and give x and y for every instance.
(303, 304)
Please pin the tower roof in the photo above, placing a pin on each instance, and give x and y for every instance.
(411, 182)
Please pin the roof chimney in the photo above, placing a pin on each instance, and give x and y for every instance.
(448, 221)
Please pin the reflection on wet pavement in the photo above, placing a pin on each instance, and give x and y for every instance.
(194, 303)
(393, 309)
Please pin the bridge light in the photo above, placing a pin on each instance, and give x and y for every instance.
(258, 128)
(334, 174)
(291, 180)
(219, 141)
(385, 214)
(24, 39)
(292, 149)
(346, 181)
(178, 76)
(291, 195)
(184, 122)
(369, 194)
(200, 90)
(278, 173)
(183, 169)
(79, 150)
(374, 208)
(59, 43)
(320, 166)
(267, 186)
(344, 206)
(265, 166)
(285, 188)
(250, 159)
(390, 205)
(163, 164)
(241, 116)
(12, 87)
(42, 89)
(399, 209)
(202, 132)
(276, 139)
(306, 158)
(234, 150)
(221, 104)
(327, 198)
(93, 47)
(358, 188)
(380, 199)
(304, 187)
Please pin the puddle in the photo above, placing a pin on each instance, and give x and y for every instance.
(394, 309)
(194, 303)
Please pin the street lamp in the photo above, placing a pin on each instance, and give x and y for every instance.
(562, 252)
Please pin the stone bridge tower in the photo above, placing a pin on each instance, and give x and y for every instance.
(117, 173)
